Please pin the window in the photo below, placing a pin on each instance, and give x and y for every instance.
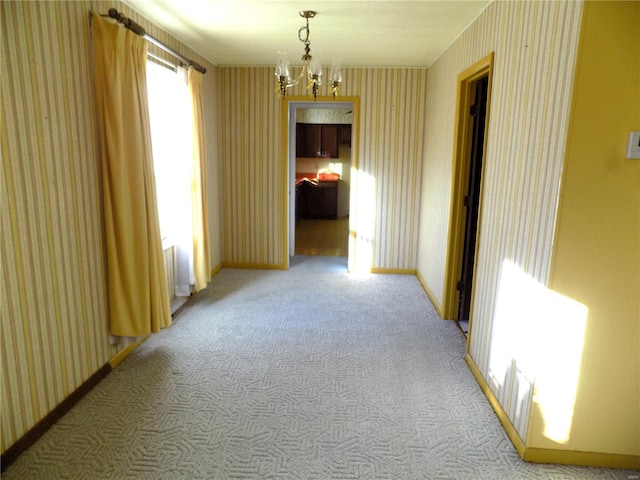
(170, 117)
(170, 112)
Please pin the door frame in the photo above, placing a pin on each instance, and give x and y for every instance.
(460, 177)
(289, 105)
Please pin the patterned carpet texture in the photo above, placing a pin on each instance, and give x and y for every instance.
(310, 373)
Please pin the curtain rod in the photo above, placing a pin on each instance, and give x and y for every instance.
(139, 30)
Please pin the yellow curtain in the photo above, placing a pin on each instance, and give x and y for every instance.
(201, 259)
(138, 296)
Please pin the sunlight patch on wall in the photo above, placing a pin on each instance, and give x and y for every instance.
(559, 368)
(536, 342)
(361, 226)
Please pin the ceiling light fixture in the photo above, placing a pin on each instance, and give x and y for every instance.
(311, 67)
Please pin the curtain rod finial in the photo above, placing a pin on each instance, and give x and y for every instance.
(127, 22)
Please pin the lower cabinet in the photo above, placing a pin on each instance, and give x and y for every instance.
(301, 190)
(317, 200)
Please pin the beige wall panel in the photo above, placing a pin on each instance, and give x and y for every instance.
(211, 98)
(251, 166)
(54, 310)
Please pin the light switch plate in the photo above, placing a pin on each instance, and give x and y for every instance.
(633, 145)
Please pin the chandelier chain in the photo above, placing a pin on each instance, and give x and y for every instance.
(305, 40)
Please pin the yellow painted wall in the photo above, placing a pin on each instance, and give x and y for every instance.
(54, 307)
(597, 241)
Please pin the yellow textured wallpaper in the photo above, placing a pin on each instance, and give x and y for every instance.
(54, 310)
(250, 135)
(389, 152)
(535, 49)
(319, 115)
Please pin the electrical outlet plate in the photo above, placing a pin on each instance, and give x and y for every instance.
(633, 145)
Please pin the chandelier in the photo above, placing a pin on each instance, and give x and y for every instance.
(311, 71)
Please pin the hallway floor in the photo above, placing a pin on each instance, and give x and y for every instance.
(329, 238)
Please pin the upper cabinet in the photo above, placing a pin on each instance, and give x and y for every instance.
(319, 140)
(345, 134)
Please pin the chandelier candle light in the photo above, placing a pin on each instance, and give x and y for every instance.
(311, 67)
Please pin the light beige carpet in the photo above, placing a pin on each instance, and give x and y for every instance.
(310, 373)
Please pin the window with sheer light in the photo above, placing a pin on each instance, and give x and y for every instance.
(171, 118)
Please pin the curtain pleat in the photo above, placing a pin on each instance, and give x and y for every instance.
(138, 297)
(201, 258)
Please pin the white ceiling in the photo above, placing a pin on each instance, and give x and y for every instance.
(380, 33)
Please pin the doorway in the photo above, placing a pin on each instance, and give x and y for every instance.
(474, 92)
(477, 118)
(312, 186)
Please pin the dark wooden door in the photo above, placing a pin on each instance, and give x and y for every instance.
(478, 113)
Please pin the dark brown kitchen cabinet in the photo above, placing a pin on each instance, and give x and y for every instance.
(316, 140)
(329, 141)
(301, 201)
(322, 200)
(345, 134)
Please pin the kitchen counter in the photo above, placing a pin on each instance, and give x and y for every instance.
(316, 177)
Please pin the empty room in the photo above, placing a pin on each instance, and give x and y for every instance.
(320, 240)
